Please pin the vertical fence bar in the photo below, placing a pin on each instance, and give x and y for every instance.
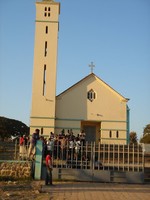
(93, 157)
(86, 155)
(128, 157)
(91, 166)
(123, 157)
(108, 156)
(81, 156)
(138, 154)
(133, 156)
(103, 156)
(113, 155)
(143, 161)
(118, 157)
(16, 150)
(99, 156)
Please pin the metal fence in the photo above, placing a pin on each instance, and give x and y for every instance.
(101, 157)
(90, 156)
(11, 151)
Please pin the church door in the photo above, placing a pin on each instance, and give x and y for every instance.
(90, 133)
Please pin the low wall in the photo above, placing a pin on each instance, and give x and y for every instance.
(14, 170)
(95, 175)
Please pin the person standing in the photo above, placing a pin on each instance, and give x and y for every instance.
(50, 146)
(49, 168)
(34, 138)
(82, 136)
(22, 147)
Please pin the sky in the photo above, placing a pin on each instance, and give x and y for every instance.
(113, 34)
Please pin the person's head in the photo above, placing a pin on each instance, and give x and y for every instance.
(37, 131)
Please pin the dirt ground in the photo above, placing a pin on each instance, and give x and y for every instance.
(13, 190)
(36, 190)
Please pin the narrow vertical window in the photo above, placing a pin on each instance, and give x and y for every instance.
(45, 13)
(110, 134)
(117, 134)
(46, 31)
(45, 52)
(41, 130)
(44, 80)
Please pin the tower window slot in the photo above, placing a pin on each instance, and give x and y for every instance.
(46, 29)
(44, 80)
(45, 52)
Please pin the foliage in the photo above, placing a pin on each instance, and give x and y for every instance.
(145, 139)
(11, 127)
(133, 138)
(146, 135)
(146, 129)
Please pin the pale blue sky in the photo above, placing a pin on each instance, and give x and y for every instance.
(114, 34)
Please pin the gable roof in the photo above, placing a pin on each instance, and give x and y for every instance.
(100, 80)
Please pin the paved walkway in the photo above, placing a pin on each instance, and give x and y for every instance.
(97, 191)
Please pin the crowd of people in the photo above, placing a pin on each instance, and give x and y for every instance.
(62, 146)
(66, 147)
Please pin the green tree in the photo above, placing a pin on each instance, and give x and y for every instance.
(12, 127)
(146, 135)
(133, 137)
(146, 130)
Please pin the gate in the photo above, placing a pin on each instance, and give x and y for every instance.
(100, 157)
(99, 162)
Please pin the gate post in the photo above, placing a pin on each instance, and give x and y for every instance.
(38, 160)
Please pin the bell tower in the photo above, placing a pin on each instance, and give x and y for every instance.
(44, 69)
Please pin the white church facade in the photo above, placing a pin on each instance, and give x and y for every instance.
(90, 104)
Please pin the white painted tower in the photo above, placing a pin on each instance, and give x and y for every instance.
(45, 64)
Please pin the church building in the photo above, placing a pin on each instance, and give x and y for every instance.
(90, 104)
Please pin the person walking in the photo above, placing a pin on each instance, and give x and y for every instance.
(49, 168)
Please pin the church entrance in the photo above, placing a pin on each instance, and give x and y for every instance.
(92, 130)
(90, 133)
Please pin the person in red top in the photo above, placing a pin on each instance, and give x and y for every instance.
(22, 151)
(49, 168)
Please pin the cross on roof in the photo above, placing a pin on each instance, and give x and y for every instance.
(92, 66)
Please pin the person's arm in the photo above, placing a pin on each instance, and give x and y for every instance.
(50, 165)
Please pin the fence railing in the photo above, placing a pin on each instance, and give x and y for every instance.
(101, 157)
(90, 156)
